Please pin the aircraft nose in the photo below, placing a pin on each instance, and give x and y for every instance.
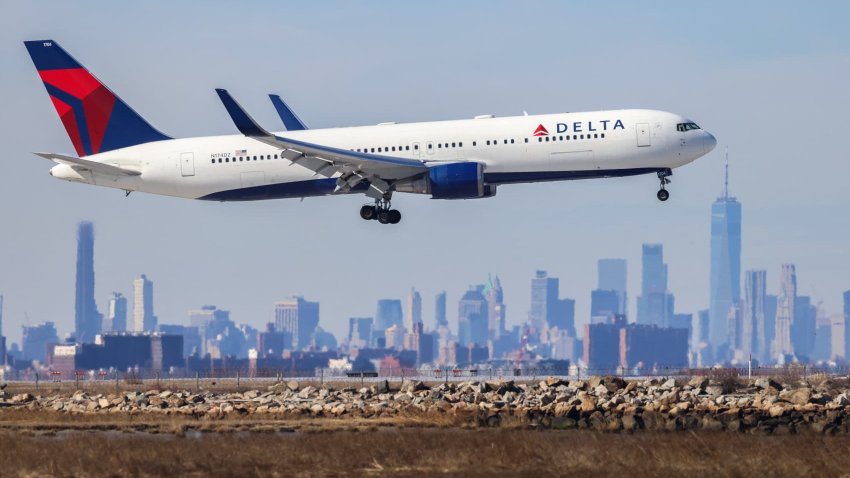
(709, 142)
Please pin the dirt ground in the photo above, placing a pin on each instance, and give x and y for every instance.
(418, 452)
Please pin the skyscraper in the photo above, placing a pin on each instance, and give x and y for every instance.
(298, 317)
(116, 315)
(143, 318)
(846, 329)
(2, 337)
(803, 327)
(472, 317)
(604, 303)
(612, 276)
(440, 311)
(388, 314)
(360, 331)
(495, 307)
(412, 310)
(753, 330)
(725, 261)
(87, 320)
(655, 304)
(785, 307)
(544, 300)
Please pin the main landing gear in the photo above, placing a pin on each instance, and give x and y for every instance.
(381, 212)
(663, 194)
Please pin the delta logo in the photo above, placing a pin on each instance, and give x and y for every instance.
(541, 131)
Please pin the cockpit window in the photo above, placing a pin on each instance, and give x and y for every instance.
(686, 126)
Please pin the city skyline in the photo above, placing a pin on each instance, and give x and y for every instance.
(737, 89)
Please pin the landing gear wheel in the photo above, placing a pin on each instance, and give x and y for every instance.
(368, 212)
(394, 216)
(663, 195)
(384, 217)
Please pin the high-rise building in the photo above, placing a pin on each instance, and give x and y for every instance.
(839, 343)
(770, 301)
(36, 338)
(753, 327)
(544, 300)
(472, 317)
(388, 314)
(655, 304)
(785, 307)
(846, 344)
(87, 320)
(412, 310)
(495, 308)
(143, 318)
(116, 314)
(440, 319)
(360, 332)
(803, 328)
(725, 261)
(612, 276)
(604, 303)
(2, 337)
(297, 317)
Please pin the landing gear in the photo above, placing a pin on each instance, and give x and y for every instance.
(381, 211)
(663, 194)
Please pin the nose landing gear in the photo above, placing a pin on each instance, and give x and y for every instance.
(663, 194)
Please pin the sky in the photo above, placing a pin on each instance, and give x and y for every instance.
(767, 78)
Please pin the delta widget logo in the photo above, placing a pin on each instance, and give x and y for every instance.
(541, 131)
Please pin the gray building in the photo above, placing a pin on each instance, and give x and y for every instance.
(496, 311)
(389, 313)
(144, 319)
(754, 335)
(803, 328)
(547, 309)
(725, 280)
(36, 339)
(440, 319)
(298, 317)
(473, 317)
(360, 332)
(655, 304)
(846, 329)
(412, 310)
(785, 308)
(116, 314)
(87, 320)
(604, 303)
(613, 276)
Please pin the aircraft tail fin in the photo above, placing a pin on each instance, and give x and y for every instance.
(96, 119)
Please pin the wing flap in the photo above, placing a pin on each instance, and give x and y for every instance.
(93, 166)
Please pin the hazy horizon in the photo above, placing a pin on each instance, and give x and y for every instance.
(768, 79)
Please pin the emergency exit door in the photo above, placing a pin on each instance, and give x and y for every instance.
(187, 164)
(643, 138)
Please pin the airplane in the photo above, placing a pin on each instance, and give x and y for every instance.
(460, 159)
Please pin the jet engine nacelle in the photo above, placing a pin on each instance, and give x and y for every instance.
(459, 181)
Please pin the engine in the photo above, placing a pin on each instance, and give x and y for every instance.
(459, 181)
(450, 181)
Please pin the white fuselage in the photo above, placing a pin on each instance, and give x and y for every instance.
(578, 145)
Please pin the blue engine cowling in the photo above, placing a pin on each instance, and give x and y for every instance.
(459, 181)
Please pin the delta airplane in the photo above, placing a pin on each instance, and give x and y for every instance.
(461, 159)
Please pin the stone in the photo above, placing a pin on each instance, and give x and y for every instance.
(765, 383)
(164, 395)
(698, 382)
(714, 390)
(306, 392)
(800, 396)
(104, 403)
(776, 411)
(382, 387)
(22, 398)
(669, 384)
(841, 400)
(292, 385)
(588, 405)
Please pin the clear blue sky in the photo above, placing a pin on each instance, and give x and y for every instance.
(769, 79)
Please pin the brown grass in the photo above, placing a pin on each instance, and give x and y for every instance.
(423, 452)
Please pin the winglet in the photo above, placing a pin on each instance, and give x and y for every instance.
(241, 119)
(290, 120)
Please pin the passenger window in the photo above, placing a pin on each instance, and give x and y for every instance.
(474, 143)
(407, 148)
(526, 140)
(430, 146)
(595, 135)
(213, 160)
(512, 141)
(460, 145)
(575, 136)
(488, 142)
(539, 139)
(454, 145)
(416, 147)
(439, 145)
(603, 135)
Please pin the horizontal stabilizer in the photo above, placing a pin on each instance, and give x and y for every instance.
(93, 166)
(290, 120)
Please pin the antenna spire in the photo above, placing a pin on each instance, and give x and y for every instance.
(726, 178)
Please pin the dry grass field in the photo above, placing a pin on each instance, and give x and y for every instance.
(422, 452)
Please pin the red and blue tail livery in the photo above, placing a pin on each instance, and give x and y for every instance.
(95, 118)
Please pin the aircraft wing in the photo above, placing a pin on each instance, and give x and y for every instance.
(349, 167)
(289, 118)
(88, 164)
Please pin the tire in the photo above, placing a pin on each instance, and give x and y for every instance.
(368, 212)
(394, 216)
(384, 217)
(663, 195)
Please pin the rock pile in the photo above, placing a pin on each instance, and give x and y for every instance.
(600, 403)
